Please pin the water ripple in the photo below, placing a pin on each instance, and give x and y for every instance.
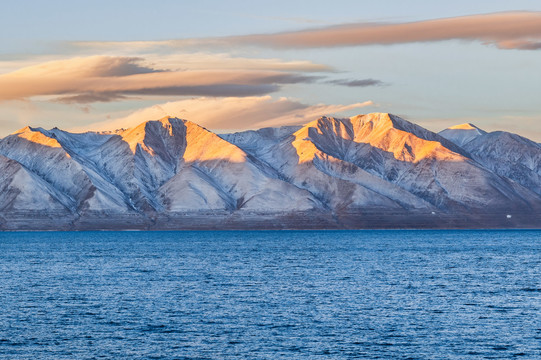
(271, 295)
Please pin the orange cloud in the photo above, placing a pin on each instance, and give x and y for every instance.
(231, 113)
(107, 78)
(491, 28)
(203, 61)
(507, 30)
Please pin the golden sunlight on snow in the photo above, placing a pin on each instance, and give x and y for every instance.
(378, 130)
(202, 145)
(465, 126)
(36, 137)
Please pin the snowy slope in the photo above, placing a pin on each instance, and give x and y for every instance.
(44, 156)
(509, 155)
(383, 160)
(164, 165)
(333, 166)
(238, 180)
(21, 190)
(257, 142)
(506, 154)
(462, 134)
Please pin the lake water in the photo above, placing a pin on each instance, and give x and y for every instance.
(271, 295)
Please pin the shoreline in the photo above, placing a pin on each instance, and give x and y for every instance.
(311, 220)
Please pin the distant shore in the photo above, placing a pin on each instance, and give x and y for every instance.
(244, 220)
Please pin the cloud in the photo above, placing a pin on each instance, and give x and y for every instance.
(231, 113)
(93, 66)
(107, 78)
(356, 83)
(520, 44)
(89, 98)
(201, 61)
(489, 28)
(506, 30)
(150, 61)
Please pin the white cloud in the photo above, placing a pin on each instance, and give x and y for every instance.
(230, 113)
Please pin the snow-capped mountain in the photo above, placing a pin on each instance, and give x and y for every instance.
(374, 170)
(506, 154)
(461, 134)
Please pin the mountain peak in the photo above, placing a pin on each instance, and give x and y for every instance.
(385, 121)
(196, 142)
(377, 119)
(23, 130)
(347, 127)
(150, 130)
(375, 116)
(390, 133)
(462, 134)
(379, 125)
(169, 119)
(465, 126)
(36, 135)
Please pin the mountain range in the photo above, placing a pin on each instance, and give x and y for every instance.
(368, 171)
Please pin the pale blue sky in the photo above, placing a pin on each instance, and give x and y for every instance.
(54, 20)
(435, 84)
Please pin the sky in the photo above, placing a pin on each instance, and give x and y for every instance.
(238, 65)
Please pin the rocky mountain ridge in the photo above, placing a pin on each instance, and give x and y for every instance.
(367, 171)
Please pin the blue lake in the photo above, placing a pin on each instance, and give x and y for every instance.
(271, 295)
